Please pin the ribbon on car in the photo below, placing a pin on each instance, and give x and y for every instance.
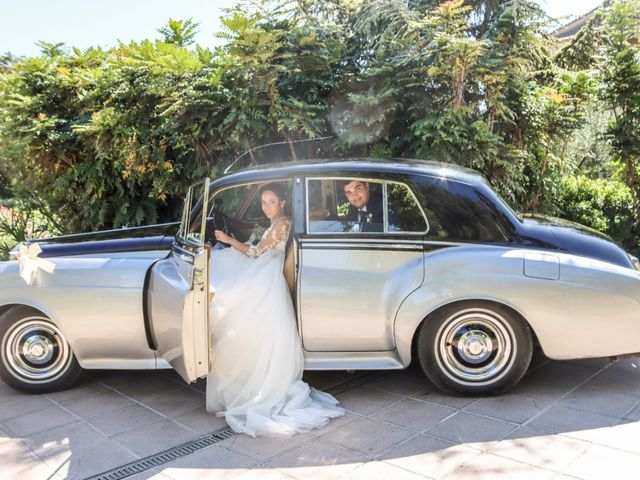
(29, 262)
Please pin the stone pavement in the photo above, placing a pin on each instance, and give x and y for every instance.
(565, 420)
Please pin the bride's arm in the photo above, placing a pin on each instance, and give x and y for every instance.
(224, 238)
(271, 238)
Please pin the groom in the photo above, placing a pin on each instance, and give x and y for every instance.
(365, 209)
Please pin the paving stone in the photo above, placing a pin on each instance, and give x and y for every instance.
(35, 469)
(200, 421)
(39, 421)
(199, 386)
(597, 400)
(511, 408)
(262, 448)
(428, 456)
(623, 436)
(149, 388)
(569, 421)
(368, 436)
(154, 438)
(214, 462)
(14, 452)
(594, 363)
(7, 393)
(176, 402)
(490, 467)
(262, 474)
(633, 414)
(465, 428)
(74, 439)
(23, 404)
(80, 462)
(600, 462)
(324, 380)
(403, 382)
(552, 380)
(99, 404)
(366, 400)
(84, 388)
(336, 423)
(618, 378)
(124, 419)
(115, 378)
(381, 471)
(552, 452)
(318, 460)
(432, 394)
(414, 414)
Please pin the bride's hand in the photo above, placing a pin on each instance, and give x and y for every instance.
(222, 237)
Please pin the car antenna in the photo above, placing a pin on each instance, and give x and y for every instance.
(226, 170)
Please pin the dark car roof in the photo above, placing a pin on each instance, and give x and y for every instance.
(352, 165)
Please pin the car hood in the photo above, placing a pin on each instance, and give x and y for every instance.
(555, 233)
(135, 239)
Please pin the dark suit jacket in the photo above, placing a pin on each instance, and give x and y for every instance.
(374, 212)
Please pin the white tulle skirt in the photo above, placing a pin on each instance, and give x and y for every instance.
(257, 362)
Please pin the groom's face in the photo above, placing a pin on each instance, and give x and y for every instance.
(357, 193)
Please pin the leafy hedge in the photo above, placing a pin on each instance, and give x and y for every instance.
(108, 137)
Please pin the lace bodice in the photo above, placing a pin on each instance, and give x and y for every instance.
(273, 237)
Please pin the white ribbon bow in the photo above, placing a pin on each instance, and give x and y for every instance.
(30, 263)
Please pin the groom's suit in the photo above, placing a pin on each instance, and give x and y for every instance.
(371, 219)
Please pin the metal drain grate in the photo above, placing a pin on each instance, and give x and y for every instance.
(165, 456)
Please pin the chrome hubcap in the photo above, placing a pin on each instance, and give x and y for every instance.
(475, 347)
(38, 349)
(35, 350)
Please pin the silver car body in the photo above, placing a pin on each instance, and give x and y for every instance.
(359, 301)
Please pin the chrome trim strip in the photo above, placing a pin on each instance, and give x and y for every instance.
(362, 240)
(362, 246)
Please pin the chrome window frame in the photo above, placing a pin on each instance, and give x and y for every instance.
(182, 237)
(385, 206)
(254, 182)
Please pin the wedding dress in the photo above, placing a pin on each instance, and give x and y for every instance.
(257, 361)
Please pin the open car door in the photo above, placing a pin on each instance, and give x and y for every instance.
(178, 293)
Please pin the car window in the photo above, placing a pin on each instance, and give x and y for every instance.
(351, 205)
(238, 210)
(461, 212)
(404, 213)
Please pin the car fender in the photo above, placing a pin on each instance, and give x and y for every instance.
(541, 286)
(96, 301)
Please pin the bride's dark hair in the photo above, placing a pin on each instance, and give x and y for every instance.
(275, 188)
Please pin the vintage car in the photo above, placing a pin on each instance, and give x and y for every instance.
(449, 276)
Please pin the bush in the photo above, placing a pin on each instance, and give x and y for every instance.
(603, 204)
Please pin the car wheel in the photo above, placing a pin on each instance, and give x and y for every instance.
(35, 356)
(474, 348)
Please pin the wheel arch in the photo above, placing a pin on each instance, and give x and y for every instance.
(36, 310)
(407, 329)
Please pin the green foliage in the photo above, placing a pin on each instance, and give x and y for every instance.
(605, 205)
(102, 138)
(179, 32)
(18, 222)
(620, 76)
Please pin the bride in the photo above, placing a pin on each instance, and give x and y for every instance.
(257, 362)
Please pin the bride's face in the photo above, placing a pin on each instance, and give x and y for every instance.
(272, 206)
